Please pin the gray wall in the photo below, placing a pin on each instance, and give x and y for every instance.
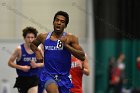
(7, 73)
(17, 14)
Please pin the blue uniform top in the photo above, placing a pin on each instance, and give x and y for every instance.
(57, 59)
(25, 60)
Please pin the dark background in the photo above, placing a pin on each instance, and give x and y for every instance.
(117, 30)
(117, 19)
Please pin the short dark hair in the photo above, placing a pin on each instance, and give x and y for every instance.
(65, 14)
(29, 30)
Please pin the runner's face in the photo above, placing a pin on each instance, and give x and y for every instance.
(59, 24)
(29, 38)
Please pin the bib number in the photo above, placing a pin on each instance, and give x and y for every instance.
(59, 44)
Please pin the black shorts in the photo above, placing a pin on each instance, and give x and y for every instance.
(24, 83)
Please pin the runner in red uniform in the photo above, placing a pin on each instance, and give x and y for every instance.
(78, 68)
